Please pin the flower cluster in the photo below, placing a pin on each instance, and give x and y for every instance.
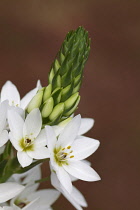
(42, 127)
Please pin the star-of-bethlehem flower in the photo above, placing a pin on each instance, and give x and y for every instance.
(10, 92)
(27, 137)
(67, 152)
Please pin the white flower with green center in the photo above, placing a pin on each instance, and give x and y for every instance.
(35, 200)
(67, 151)
(27, 137)
(10, 92)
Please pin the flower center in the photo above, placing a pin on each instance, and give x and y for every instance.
(27, 144)
(62, 155)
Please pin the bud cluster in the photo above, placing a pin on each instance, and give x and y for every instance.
(61, 97)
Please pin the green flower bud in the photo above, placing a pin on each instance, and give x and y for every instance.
(47, 92)
(36, 101)
(57, 112)
(69, 103)
(47, 107)
(72, 110)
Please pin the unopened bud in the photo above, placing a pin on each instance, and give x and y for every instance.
(47, 92)
(36, 101)
(47, 108)
(72, 110)
(57, 111)
(69, 103)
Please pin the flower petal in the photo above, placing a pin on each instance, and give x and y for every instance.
(16, 124)
(33, 124)
(78, 197)
(51, 138)
(15, 142)
(3, 137)
(70, 132)
(27, 98)
(84, 147)
(39, 153)
(64, 179)
(9, 190)
(86, 125)
(3, 114)
(10, 92)
(47, 196)
(24, 159)
(81, 171)
(41, 140)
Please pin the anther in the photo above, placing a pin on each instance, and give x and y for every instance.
(68, 147)
(72, 156)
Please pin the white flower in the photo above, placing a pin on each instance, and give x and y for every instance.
(75, 197)
(10, 92)
(3, 114)
(27, 137)
(68, 150)
(9, 190)
(30, 199)
(85, 126)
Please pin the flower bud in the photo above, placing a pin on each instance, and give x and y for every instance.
(47, 92)
(69, 103)
(36, 101)
(57, 112)
(47, 108)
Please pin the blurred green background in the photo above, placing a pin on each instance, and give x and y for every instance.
(31, 33)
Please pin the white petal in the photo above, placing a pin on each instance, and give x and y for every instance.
(41, 140)
(86, 125)
(39, 85)
(64, 179)
(34, 205)
(15, 142)
(3, 114)
(78, 197)
(33, 123)
(39, 153)
(84, 147)
(10, 92)
(24, 159)
(3, 137)
(2, 149)
(70, 132)
(19, 110)
(9, 190)
(47, 197)
(69, 196)
(27, 98)
(51, 138)
(54, 180)
(16, 124)
(57, 129)
(33, 175)
(82, 171)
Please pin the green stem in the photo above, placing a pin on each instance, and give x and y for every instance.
(43, 180)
